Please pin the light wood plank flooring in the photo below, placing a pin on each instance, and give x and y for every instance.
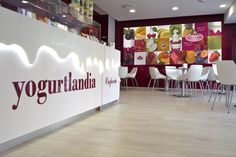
(144, 123)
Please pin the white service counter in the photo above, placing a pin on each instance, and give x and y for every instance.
(49, 75)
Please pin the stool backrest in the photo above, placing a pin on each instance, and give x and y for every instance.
(172, 72)
(226, 72)
(194, 72)
(123, 72)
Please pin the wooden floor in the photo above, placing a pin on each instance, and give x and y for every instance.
(144, 123)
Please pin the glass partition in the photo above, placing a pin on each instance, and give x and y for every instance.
(58, 14)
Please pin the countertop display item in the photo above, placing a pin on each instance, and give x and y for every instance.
(82, 3)
(89, 10)
(90, 32)
(75, 7)
(70, 18)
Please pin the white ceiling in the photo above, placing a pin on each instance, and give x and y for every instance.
(149, 9)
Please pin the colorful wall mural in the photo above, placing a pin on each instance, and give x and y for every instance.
(199, 43)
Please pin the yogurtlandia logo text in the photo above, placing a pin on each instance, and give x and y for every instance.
(42, 88)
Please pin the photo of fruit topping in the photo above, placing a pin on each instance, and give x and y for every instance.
(214, 56)
(201, 56)
(164, 57)
(151, 32)
(204, 54)
(151, 45)
(163, 44)
(129, 33)
(140, 45)
(190, 57)
(188, 29)
(140, 33)
(214, 42)
(151, 58)
(176, 58)
(176, 29)
(176, 40)
(151, 35)
(163, 33)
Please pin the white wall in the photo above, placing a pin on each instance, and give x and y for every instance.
(111, 29)
(43, 52)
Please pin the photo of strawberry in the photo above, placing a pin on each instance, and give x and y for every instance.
(215, 55)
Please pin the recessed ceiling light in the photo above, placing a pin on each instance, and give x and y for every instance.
(64, 15)
(25, 2)
(222, 6)
(130, 7)
(132, 10)
(175, 8)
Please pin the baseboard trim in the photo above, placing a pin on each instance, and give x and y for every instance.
(49, 129)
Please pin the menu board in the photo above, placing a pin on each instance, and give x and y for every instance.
(190, 43)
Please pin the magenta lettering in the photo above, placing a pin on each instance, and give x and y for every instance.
(52, 87)
(18, 89)
(60, 82)
(65, 84)
(42, 95)
(45, 87)
(110, 81)
(30, 88)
